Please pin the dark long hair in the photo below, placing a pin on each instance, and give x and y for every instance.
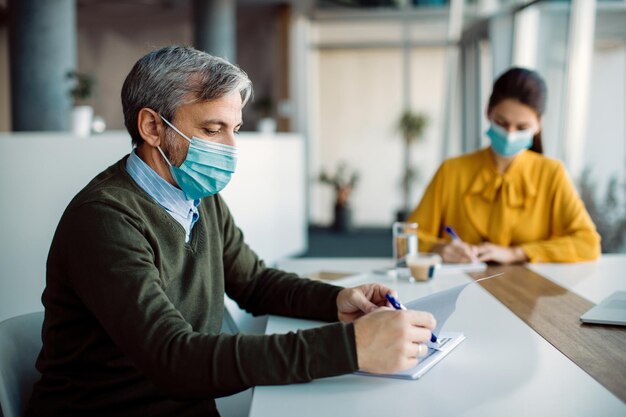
(525, 86)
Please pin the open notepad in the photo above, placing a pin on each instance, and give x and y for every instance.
(447, 342)
(441, 304)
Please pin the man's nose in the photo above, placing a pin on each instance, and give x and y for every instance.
(230, 139)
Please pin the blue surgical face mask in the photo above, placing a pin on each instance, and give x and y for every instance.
(207, 168)
(509, 144)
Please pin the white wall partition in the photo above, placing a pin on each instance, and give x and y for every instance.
(43, 171)
(41, 174)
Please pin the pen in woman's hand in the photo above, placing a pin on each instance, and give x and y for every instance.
(452, 233)
(455, 237)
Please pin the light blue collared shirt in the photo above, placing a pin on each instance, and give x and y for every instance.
(172, 199)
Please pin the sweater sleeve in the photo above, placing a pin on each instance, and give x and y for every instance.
(113, 270)
(429, 213)
(575, 237)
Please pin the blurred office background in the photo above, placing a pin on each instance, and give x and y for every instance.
(335, 76)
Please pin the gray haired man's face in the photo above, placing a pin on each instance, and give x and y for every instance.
(215, 121)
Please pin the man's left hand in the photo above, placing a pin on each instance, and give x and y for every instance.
(353, 303)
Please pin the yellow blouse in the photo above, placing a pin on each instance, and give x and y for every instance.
(533, 205)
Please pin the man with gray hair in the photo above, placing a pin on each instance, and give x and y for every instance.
(143, 255)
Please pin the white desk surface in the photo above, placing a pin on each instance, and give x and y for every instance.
(503, 368)
(591, 280)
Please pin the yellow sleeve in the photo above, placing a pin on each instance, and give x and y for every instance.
(428, 214)
(574, 235)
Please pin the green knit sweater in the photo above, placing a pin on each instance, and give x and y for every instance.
(133, 313)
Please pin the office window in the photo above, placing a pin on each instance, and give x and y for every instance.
(605, 136)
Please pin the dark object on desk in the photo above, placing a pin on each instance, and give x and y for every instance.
(611, 310)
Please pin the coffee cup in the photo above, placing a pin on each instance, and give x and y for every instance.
(423, 265)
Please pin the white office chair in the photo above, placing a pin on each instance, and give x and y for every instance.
(20, 343)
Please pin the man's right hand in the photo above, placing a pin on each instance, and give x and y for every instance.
(389, 341)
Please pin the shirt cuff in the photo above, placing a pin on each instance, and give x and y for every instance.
(534, 252)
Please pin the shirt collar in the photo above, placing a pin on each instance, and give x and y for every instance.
(169, 197)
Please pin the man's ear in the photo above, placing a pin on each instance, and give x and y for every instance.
(150, 126)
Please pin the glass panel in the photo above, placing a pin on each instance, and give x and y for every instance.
(551, 62)
(605, 147)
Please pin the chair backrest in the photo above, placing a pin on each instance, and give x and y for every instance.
(20, 343)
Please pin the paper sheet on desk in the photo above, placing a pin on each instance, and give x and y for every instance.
(442, 304)
(466, 267)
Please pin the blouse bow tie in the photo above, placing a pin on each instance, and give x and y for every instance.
(515, 189)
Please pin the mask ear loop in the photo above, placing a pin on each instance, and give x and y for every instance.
(177, 131)
(174, 127)
(164, 157)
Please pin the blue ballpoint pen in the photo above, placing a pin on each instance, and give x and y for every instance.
(452, 233)
(399, 306)
(449, 230)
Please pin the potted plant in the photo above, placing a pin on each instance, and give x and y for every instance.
(265, 109)
(411, 126)
(343, 182)
(608, 213)
(82, 113)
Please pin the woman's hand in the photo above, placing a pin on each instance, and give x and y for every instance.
(489, 252)
(456, 252)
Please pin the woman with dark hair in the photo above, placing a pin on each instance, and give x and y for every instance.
(507, 203)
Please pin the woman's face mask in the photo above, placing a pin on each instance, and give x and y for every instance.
(513, 127)
(508, 144)
(207, 168)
